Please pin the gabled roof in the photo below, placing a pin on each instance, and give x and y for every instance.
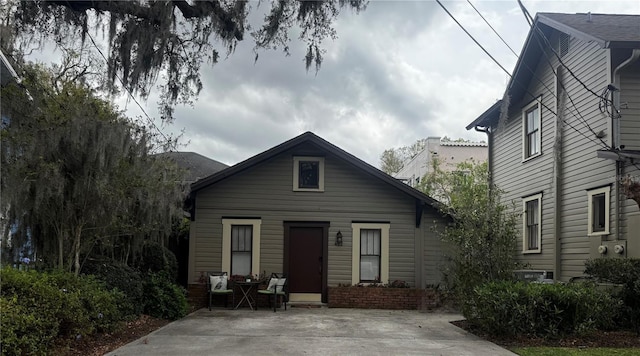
(196, 164)
(7, 73)
(309, 137)
(609, 31)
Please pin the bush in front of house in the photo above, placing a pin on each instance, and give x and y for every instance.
(163, 298)
(626, 273)
(545, 310)
(118, 275)
(38, 307)
(155, 258)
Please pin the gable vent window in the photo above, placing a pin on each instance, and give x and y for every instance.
(563, 44)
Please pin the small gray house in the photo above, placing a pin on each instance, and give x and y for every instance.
(565, 136)
(309, 209)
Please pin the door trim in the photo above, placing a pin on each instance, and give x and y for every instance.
(325, 248)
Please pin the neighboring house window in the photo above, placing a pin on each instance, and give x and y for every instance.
(370, 255)
(531, 223)
(370, 259)
(241, 246)
(308, 174)
(531, 128)
(599, 211)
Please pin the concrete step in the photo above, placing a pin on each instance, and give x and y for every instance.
(307, 305)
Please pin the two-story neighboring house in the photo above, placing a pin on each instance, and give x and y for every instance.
(563, 137)
(449, 153)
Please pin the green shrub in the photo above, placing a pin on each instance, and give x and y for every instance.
(163, 298)
(155, 258)
(122, 277)
(25, 330)
(38, 307)
(547, 310)
(625, 272)
(96, 306)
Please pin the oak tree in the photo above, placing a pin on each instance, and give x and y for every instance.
(171, 39)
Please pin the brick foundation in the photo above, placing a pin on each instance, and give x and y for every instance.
(383, 298)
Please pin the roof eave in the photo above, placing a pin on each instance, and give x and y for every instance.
(570, 30)
(487, 118)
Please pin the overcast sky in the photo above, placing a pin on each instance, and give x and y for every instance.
(398, 72)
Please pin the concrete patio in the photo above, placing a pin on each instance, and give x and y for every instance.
(315, 331)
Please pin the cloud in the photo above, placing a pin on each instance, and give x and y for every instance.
(399, 71)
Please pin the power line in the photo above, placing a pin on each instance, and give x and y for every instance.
(541, 35)
(153, 124)
(128, 91)
(493, 29)
(510, 76)
(474, 40)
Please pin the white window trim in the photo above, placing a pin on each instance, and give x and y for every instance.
(255, 246)
(384, 250)
(296, 173)
(536, 102)
(607, 199)
(525, 239)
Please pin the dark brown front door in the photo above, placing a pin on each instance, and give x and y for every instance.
(306, 260)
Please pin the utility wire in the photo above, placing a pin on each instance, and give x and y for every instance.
(474, 40)
(526, 13)
(493, 29)
(542, 36)
(509, 74)
(129, 92)
(153, 124)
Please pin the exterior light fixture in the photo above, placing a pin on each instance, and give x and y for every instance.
(339, 238)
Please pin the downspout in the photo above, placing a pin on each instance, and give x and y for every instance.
(557, 175)
(615, 122)
(487, 130)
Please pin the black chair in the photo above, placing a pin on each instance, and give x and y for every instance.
(218, 284)
(277, 287)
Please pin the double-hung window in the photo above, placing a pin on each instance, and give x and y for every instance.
(532, 130)
(598, 211)
(370, 240)
(241, 243)
(370, 252)
(241, 246)
(531, 224)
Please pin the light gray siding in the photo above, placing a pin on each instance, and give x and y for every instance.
(630, 107)
(630, 137)
(581, 169)
(265, 191)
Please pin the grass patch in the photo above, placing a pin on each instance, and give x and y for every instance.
(570, 351)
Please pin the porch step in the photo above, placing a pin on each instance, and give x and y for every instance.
(307, 305)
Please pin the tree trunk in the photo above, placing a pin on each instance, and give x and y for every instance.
(76, 250)
(60, 250)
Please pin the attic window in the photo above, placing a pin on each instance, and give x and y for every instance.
(308, 174)
(563, 44)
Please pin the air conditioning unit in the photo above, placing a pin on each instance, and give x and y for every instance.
(533, 275)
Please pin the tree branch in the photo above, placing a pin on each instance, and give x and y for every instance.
(199, 10)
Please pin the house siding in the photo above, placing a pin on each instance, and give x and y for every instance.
(265, 191)
(630, 137)
(581, 169)
(630, 110)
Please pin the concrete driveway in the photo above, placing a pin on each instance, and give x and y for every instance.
(315, 331)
